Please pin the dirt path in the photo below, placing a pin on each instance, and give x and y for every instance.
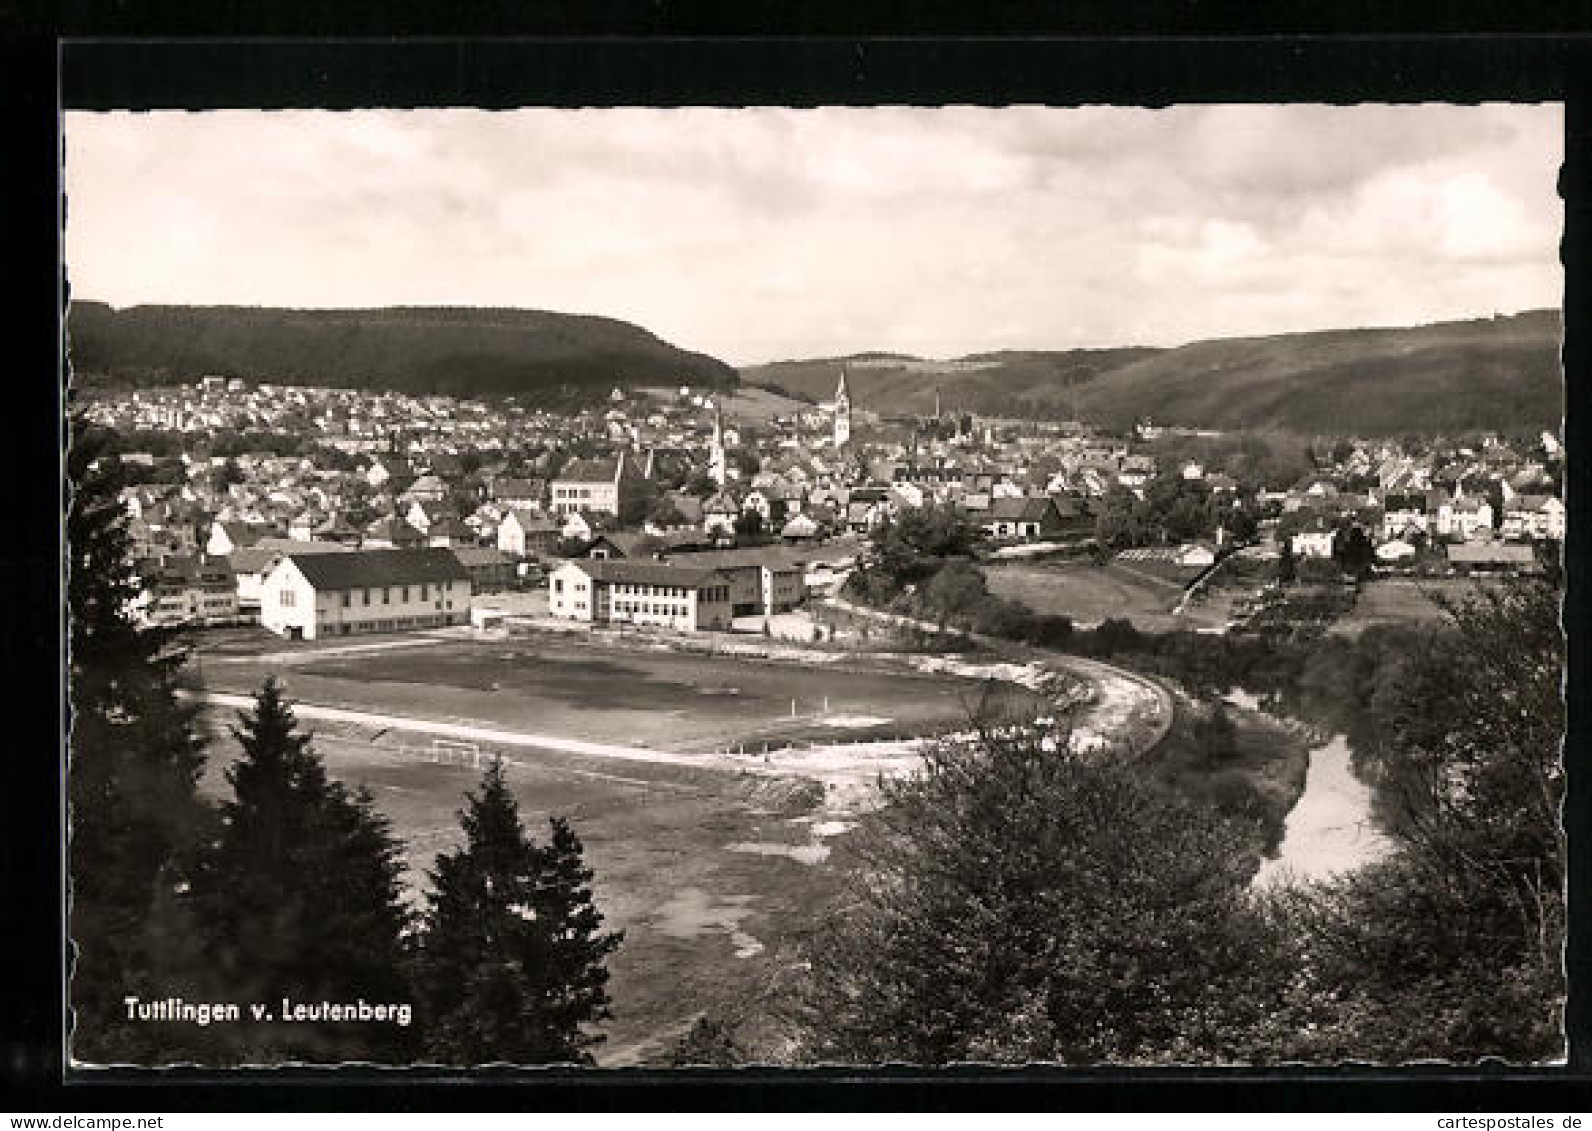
(466, 732)
(311, 654)
(1121, 696)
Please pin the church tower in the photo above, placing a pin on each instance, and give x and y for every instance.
(716, 460)
(842, 412)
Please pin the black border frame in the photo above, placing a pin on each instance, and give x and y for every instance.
(611, 53)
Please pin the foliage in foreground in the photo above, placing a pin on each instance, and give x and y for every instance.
(135, 762)
(1022, 904)
(1018, 905)
(302, 895)
(1453, 946)
(513, 959)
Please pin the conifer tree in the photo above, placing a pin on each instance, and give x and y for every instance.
(512, 955)
(576, 975)
(302, 894)
(135, 758)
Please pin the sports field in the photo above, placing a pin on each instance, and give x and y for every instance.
(631, 696)
(716, 866)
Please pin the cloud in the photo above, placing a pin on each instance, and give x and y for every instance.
(760, 233)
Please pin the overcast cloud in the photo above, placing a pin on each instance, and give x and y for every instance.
(754, 235)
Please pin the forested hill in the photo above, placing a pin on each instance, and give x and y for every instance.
(544, 357)
(1009, 382)
(1447, 377)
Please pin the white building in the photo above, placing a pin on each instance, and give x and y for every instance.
(309, 596)
(644, 593)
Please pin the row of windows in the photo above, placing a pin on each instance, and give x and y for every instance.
(391, 624)
(652, 590)
(404, 591)
(650, 609)
(572, 492)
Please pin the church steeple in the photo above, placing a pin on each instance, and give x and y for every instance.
(842, 411)
(716, 461)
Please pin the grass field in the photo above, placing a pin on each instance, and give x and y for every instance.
(717, 875)
(1090, 594)
(702, 869)
(1400, 601)
(603, 693)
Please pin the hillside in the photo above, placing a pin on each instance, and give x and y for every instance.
(1446, 377)
(1005, 383)
(542, 356)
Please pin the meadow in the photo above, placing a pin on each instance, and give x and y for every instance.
(1090, 594)
(717, 873)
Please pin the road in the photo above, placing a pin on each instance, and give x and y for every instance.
(1121, 694)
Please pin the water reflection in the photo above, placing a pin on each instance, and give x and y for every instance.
(1329, 829)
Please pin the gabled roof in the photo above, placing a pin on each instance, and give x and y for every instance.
(628, 543)
(588, 471)
(531, 521)
(365, 568)
(480, 555)
(260, 556)
(394, 529)
(450, 527)
(519, 488)
(626, 572)
(1019, 510)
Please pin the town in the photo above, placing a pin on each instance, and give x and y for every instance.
(321, 512)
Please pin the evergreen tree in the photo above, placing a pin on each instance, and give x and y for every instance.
(576, 975)
(302, 894)
(512, 962)
(135, 758)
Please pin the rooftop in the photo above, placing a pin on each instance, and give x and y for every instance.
(363, 568)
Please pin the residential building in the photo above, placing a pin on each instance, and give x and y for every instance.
(189, 591)
(1533, 518)
(310, 596)
(1404, 515)
(250, 566)
(1026, 519)
(1315, 541)
(490, 569)
(527, 534)
(519, 493)
(1469, 518)
(393, 533)
(603, 486)
(1492, 557)
(229, 537)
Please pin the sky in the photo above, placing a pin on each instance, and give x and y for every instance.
(761, 234)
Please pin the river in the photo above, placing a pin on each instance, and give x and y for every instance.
(1329, 829)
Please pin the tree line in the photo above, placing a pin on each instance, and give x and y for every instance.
(1017, 901)
(292, 885)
